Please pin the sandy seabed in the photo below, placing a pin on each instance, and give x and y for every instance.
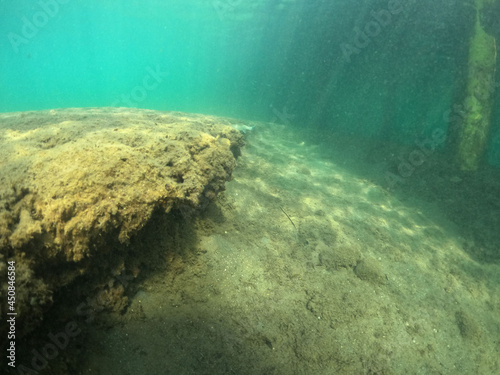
(300, 266)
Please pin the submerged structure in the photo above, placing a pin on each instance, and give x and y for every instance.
(480, 91)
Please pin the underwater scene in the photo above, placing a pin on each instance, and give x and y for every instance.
(266, 187)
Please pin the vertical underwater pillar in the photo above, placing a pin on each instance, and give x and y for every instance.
(473, 134)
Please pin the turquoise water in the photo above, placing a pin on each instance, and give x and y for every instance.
(206, 57)
(261, 60)
(348, 240)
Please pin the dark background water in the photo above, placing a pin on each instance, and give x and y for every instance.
(299, 62)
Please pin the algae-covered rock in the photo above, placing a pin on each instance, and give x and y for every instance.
(74, 180)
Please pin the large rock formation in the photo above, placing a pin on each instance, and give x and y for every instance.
(73, 181)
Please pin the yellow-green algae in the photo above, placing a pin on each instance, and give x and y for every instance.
(479, 94)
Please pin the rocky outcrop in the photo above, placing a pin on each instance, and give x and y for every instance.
(75, 181)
